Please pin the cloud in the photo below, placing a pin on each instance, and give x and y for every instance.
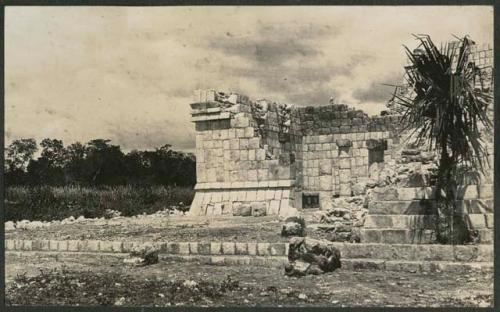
(128, 73)
(379, 91)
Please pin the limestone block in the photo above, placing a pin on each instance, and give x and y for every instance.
(284, 205)
(325, 200)
(285, 194)
(249, 132)
(240, 133)
(262, 174)
(208, 144)
(274, 207)
(485, 191)
(343, 142)
(263, 249)
(243, 154)
(243, 175)
(243, 144)
(228, 248)
(251, 195)
(278, 194)
(325, 182)
(243, 210)
(240, 120)
(252, 249)
(252, 175)
(217, 210)
(254, 143)
(344, 175)
(216, 197)
(325, 167)
(344, 163)
(478, 221)
(241, 249)
(259, 209)
(210, 209)
(261, 195)
(251, 154)
(269, 194)
(345, 189)
(260, 154)
(241, 195)
(234, 144)
(215, 248)
(226, 207)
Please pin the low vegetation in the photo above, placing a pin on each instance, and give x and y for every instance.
(46, 203)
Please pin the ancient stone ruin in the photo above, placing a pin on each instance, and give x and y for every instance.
(265, 158)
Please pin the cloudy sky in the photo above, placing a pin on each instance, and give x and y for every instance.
(128, 73)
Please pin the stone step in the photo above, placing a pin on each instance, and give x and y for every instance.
(408, 236)
(416, 193)
(398, 221)
(416, 266)
(417, 252)
(426, 206)
(347, 263)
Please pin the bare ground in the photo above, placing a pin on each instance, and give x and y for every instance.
(161, 228)
(90, 279)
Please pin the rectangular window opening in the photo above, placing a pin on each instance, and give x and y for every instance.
(310, 201)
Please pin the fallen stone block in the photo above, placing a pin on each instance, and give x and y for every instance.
(311, 256)
(258, 209)
(358, 189)
(294, 226)
(142, 255)
(243, 210)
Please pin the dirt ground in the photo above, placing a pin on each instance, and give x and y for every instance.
(151, 228)
(90, 279)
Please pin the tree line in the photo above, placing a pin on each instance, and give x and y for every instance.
(96, 163)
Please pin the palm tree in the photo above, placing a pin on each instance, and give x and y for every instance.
(446, 109)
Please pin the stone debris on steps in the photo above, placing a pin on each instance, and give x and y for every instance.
(406, 257)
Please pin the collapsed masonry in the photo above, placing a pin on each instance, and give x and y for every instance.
(264, 158)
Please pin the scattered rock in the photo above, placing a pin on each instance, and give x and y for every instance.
(359, 188)
(10, 226)
(258, 209)
(142, 255)
(294, 226)
(110, 214)
(120, 301)
(243, 210)
(302, 296)
(311, 256)
(190, 284)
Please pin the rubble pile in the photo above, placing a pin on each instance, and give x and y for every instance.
(343, 220)
(142, 255)
(293, 226)
(311, 256)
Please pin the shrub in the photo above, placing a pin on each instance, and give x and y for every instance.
(55, 203)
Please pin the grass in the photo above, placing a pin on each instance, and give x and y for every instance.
(46, 203)
(71, 279)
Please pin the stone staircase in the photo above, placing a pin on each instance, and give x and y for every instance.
(407, 215)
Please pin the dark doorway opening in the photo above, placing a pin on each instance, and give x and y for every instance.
(310, 201)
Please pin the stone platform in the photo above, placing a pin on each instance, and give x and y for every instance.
(374, 256)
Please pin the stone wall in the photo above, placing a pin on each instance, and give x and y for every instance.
(342, 147)
(257, 156)
(241, 162)
(262, 153)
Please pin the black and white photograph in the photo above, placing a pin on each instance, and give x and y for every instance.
(249, 156)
